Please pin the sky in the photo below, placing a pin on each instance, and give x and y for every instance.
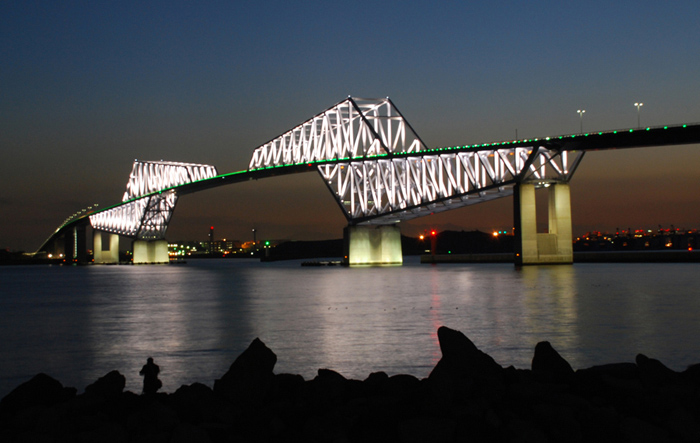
(86, 87)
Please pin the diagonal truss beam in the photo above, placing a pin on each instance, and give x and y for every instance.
(354, 128)
(149, 200)
(388, 190)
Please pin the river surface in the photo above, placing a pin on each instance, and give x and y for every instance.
(78, 323)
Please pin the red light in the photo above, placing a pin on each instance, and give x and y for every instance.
(212, 228)
(432, 232)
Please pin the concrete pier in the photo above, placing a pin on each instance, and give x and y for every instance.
(75, 245)
(556, 245)
(373, 245)
(149, 252)
(108, 256)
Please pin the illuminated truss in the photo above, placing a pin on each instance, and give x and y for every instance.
(352, 129)
(387, 190)
(148, 201)
(145, 218)
(149, 177)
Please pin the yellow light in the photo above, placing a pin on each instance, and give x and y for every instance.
(495, 234)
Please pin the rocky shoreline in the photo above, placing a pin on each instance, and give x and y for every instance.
(467, 397)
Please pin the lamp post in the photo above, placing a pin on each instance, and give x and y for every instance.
(580, 113)
(638, 105)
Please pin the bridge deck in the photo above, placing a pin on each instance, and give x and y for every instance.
(668, 135)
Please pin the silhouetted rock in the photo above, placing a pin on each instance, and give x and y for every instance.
(461, 358)
(654, 373)
(468, 397)
(111, 385)
(250, 377)
(327, 389)
(41, 391)
(547, 364)
(195, 403)
(624, 371)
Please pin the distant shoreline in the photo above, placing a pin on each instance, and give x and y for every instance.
(673, 256)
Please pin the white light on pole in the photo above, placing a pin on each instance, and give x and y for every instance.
(638, 105)
(580, 113)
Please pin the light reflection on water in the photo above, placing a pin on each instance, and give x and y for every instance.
(77, 324)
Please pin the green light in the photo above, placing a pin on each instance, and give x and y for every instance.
(631, 130)
(614, 132)
(685, 126)
(267, 243)
(648, 129)
(665, 127)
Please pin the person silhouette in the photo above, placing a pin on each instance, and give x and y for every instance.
(150, 371)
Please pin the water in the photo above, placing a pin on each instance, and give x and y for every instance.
(78, 323)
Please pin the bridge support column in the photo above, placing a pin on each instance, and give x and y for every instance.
(75, 245)
(150, 252)
(556, 245)
(373, 245)
(100, 255)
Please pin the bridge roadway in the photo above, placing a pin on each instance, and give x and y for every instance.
(668, 135)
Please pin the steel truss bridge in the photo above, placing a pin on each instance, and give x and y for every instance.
(376, 167)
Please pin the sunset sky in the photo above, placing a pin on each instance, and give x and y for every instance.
(87, 87)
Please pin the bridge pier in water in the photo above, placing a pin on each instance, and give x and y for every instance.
(373, 245)
(75, 245)
(554, 247)
(155, 251)
(101, 255)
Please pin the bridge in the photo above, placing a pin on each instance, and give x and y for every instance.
(380, 173)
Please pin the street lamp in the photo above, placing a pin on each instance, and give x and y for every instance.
(638, 105)
(580, 113)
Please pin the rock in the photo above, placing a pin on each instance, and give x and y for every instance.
(152, 419)
(432, 429)
(111, 385)
(625, 371)
(548, 365)
(377, 378)
(461, 358)
(683, 425)
(288, 387)
(653, 373)
(328, 388)
(402, 385)
(42, 390)
(195, 403)
(637, 430)
(692, 375)
(188, 433)
(250, 377)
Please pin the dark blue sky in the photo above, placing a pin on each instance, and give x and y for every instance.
(86, 87)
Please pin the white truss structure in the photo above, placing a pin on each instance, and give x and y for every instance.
(148, 201)
(380, 171)
(152, 176)
(388, 190)
(354, 128)
(373, 162)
